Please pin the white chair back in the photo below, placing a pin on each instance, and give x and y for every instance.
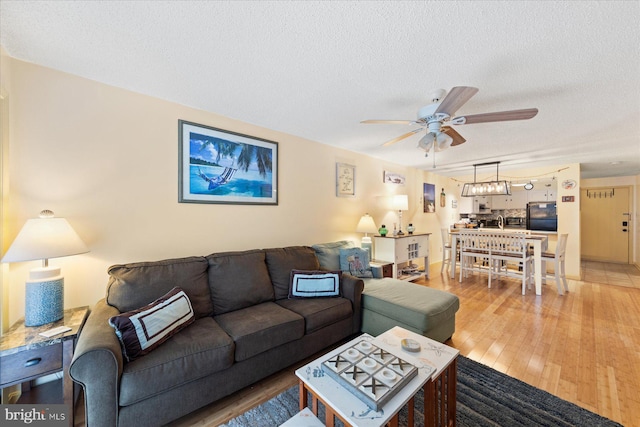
(446, 239)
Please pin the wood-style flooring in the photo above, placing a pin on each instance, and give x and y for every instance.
(583, 347)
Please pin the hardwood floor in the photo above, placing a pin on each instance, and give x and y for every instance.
(583, 347)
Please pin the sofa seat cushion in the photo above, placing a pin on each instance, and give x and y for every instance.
(319, 312)
(198, 350)
(410, 304)
(261, 327)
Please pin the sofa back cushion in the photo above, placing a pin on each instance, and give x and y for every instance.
(280, 262)
(238, 280)
(134, 285)
(329, 253)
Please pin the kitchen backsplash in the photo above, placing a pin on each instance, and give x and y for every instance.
(510, 213)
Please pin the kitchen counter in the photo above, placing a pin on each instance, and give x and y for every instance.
(516, 229)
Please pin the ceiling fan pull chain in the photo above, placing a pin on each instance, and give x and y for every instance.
(434, 156)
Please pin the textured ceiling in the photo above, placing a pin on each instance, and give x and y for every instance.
(315, 69)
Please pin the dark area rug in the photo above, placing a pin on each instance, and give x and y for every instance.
(486, 397)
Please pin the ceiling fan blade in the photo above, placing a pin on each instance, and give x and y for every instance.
(389, 122)
(455, 99)
(401, 137)
(501, 116)
(457, 138)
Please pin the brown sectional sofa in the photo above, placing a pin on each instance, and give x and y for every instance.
(246, 328)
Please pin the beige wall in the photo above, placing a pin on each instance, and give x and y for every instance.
(106, 159)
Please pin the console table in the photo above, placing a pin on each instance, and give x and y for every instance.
(402, 250)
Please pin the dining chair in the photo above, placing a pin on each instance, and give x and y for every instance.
(558, 258)
(474, 252)
(508, 248)
(446, 248)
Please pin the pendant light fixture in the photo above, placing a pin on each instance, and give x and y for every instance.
(489, 188)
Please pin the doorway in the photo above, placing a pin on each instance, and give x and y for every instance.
(605, 224)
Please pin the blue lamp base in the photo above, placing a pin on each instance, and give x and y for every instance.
(44, 297)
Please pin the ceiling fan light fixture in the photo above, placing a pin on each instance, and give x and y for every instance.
(443, 141)
(426, 142)
(528, 186)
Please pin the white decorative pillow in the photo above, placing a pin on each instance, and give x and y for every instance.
(355, 261)
(142, 330)
(314, 284)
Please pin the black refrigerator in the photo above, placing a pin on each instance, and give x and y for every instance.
(542, 216)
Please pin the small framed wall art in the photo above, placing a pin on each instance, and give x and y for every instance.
(393, 178)
(345, 180)
(218, 166)
(429, 195)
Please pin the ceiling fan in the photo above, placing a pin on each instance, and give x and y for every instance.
(437, 119)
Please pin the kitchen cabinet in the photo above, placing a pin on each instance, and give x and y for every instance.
(499, 202)
(465, 204)
(543, 195)
(482, 204)
(402, 250)
(517, 200)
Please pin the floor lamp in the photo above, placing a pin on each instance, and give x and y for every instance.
(43, 238)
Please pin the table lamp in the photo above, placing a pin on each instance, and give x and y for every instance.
(400, 203)
(43, 238)
(366, 226)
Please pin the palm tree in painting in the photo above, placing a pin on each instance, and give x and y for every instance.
(248, 153)
(223, 147)
(261, 155)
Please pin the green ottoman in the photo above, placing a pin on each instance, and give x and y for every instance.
(390, 302)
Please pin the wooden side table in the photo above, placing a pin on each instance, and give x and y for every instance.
(26, 355)
(385, 266)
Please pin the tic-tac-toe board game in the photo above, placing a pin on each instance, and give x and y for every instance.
(372, 374)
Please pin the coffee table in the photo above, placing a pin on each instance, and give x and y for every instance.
(341, 403)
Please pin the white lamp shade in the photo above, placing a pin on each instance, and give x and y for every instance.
(400, 202)
(366, 225)
(45, 238)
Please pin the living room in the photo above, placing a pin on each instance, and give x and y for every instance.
(106, 158)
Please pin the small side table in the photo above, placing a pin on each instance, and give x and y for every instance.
(26, 355)
(385, 266)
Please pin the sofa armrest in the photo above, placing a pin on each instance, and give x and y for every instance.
(97, 365)
(352, 288)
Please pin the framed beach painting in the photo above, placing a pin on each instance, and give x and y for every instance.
(218, 166)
